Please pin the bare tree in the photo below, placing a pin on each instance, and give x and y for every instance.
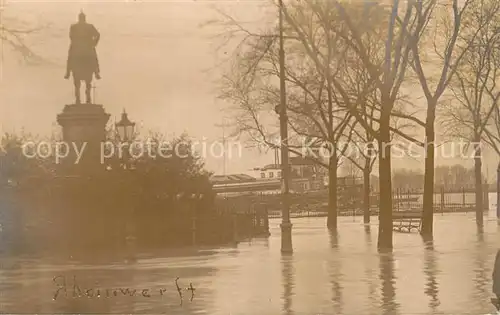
(450, 47)
(315, 111)
(492, 131)
(408, 179)
(342, 43)
(366, 149)
(14, 32)
(364, 159)
(387, 72)
(474, 87)
(360, 31)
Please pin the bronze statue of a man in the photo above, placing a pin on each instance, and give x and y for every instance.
(84, 39)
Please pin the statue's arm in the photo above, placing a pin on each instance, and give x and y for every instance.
(72, 32)
(97, 35)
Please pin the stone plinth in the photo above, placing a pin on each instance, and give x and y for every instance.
(83, 126)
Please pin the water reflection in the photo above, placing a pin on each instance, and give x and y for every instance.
(370, 273)
(335, 271)
(369, 277)
(264, 242)
(480, 229)
(480, 236)
(430, 270)
(388, 278)
(368, 235)
(482, 271)
(131, 251)
(334, 239)
(288, 273)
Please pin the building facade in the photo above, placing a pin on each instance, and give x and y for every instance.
(305, 176)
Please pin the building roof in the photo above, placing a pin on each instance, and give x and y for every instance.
(248, 186)
(294, 160)
(299, 160)
(271, 167)
(232, 178)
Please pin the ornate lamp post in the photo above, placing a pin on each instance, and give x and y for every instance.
(125, 129)
(286, 225)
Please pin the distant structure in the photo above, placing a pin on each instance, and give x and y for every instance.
(300, 168)
(83, 124)
(306, 176)
(82, 56)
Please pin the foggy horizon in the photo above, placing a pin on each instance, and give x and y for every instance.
(176, 80)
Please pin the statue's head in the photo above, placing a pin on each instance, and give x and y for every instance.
(81, 17)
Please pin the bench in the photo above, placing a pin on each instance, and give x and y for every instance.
(405, 221)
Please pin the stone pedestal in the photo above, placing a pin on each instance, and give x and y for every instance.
(83, 126)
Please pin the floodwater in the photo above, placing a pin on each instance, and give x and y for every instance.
(327, 274)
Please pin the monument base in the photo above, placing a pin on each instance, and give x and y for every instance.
(84, 131)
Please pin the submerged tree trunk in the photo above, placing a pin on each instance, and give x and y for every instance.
(331, 222)
(479, 181)
(385, 205)
(366, 192)
(428, 202)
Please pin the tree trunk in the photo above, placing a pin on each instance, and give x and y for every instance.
(331, 222)
(366, 192)
(385, 184)
(479, 181)
(428, 202)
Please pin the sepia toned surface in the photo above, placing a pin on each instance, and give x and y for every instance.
(156, 59)
(325, 275)
(148, 235)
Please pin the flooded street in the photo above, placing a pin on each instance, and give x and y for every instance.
(167, 64)
(327, 274)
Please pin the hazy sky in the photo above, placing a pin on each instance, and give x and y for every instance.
(154, 59)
